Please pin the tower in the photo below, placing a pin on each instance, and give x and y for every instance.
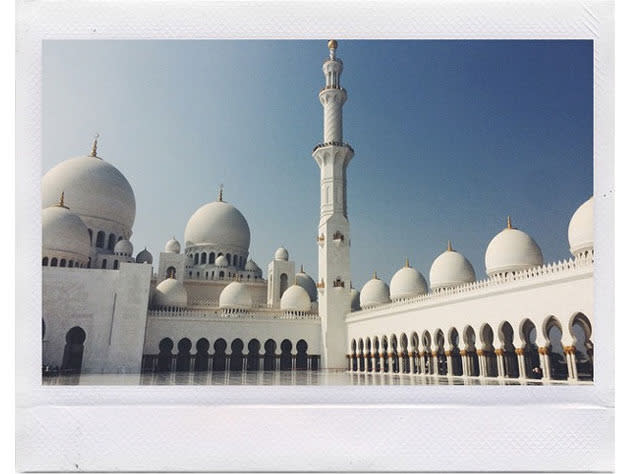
(333, 239)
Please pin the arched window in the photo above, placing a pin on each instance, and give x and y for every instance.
(203, 257)
(100, 239)
(170, 272)
(111, 242)
(182, 360)
(218, 359)
(529, 350)
(489, 354)
(301, 359)
(221, 274)
(456, 358)
(115, 264)
(196, 259)
(53, 262)
(286, 359)
(236, 356)
(581, 330)
(62, 263)
(235, 260)
(91, 236)
(253, 349)
(555, 350)
(269, 359)
(104, 263)
(227, 256)
(510, 359)
(211, 257)
(284, 283)
(73, 351)
(70, 263)
(45, 261)
(472, 359)
(165, 356)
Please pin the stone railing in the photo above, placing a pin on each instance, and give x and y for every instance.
(560, 269)
(321, 145)
(222, 314)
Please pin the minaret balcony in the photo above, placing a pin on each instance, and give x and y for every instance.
(322, 145)
(339, 283)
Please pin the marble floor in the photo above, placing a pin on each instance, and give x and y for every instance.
(321, 377)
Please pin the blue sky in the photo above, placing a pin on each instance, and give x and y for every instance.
(450, 137)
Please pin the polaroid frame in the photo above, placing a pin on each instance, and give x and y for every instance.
(316, 428)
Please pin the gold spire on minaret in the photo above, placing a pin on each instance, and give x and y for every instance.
(221, 193)
(509, 223)
(449, 246)
(332, 44)
(94, 145)
(61, 203)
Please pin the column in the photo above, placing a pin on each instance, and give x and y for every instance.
(569, 354)
(434, 359)
(412, 362)
(545, 363)
(422, 367)
(483, 370)
(373, 362)
(500, 362)
(400, 362)
(465, 366)
(381, 359)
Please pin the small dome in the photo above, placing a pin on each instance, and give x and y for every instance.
(172, 246)
(219, 224)
(123, 247)
(355, 299)
(63, 232)
(295, 298)
(144, 256)
(407, 283)
(221, 261)
(374, 292)
(235, 295)
(306, 282)
(281, 254)
(251, 266)
(450, 269)
(170, 292)
(94, 187)
(581, 229)
(512, 250)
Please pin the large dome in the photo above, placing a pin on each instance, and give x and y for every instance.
(219, 224)
(170, 292)
(512, 250)
(374, 292)
(94, 187)
(407, 283)
(295, 298)
(64, 235)
(581, 229)
(450, 269)
(235, 295)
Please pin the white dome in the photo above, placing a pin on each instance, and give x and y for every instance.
(306, 282)
(450, 269)
(581, 228)
(407, 283)
(355, 299)
(221, 261)
(144, 256)
(172, 246)
(251, 266)
(170, 292)
(235, 295)
(512, 250)
(295, 298)
(93, 187)
(281, 254)
(123, 247)
(64, 233)
(374, 292)
(219, 224)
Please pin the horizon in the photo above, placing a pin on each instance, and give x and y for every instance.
(450, 138)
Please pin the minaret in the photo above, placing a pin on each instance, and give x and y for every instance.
(333, 239)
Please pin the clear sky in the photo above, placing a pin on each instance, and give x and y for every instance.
(449, 136)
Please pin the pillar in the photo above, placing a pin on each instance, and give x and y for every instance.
(500, 362)
(449, 363)
(412, 362)
(465, 364)
(381, 360)
(545, 363)
(522, 370)
(483, 368)
(569, 354)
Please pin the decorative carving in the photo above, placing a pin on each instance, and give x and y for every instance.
(338, 236)
(338, 283)
(569, 349)
(499, 352)
(543, 351)
(519, 351)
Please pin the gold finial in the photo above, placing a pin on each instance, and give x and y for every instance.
(94, 145)
(449, 246)
(61, 201)
(509, 222)
(332, 44)
(302, 268)
(407, 262)
(374, 277)
(221, 193)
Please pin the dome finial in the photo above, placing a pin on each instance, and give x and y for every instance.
(449, 246)
(61, 203)
(301, 268)
(221, 193)
(94, 145)
(509, 222)
(407, 262)
(375, 277)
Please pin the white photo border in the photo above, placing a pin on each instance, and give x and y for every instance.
(309, 428)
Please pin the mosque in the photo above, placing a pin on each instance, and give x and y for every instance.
(207, 306)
